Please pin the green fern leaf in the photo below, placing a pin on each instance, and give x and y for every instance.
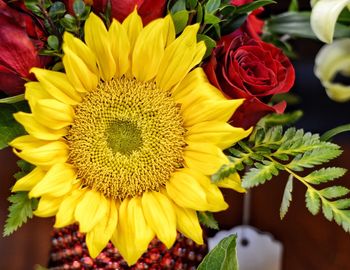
(259, 175)
(325, 175)
(342, 204)
(287, 197)
(20, 210)
(334, 192)
(312, 201)
(315, 157)
(208, 220)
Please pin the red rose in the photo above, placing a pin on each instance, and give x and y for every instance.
(21, 37)
(243, 67)
(253, 26)
(149, 10)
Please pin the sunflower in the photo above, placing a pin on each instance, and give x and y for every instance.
(124, 140)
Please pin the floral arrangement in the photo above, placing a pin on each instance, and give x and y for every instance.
(129, 116)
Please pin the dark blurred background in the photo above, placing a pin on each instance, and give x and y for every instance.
(310, 242)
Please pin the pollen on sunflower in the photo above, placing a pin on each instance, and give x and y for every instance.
(127, 138)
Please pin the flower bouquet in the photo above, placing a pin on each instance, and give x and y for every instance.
(129, 116)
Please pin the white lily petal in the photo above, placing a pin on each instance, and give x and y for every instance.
(324, 16)
(330, 60)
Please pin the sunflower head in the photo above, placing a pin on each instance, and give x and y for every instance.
(125, 139)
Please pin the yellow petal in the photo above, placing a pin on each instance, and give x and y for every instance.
(133, 26)
(169, 30)
(122, 238)
(34, 92)
(195, 85)
(27, 142)
(160, 216)
(58, 85)
(215, 199)
(188, 224)
(57, 182)
(48, 206)
(232, 182)
(65, 214)
(148, 51)
(331, 60)
(96, 37)
(132, 228)
(179, 58)
(46, 155)
(186, 192)
(91, 209)
(53, 114)
(204, 157)
(80, 49)
(210, 110)
(78, 73)
(324, 16)
(221, 134)
(98, 238)
(120, 47)
(37, 130)
(30, 180)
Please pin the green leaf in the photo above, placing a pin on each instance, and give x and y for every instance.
(312, 201)
(324, 175)
(200, 13)
(327, 211)
(342, 203)
(287, 197)
(69, 23)
(78, 7)
(275, 119)
(260, 174)
(294, 5)
(327, 136)
(297, 24)
(191, 4)
(9, 127)
(212, 5)
(13, 99)
(178, 6)
(334, 192)
(222, 257)
(20, 210)
(211, 19)
(208, 220)
(180, 19)
(315, 157)
(25, 169)
(57, 9)
(53, 42)
(253, 6)
(209, 43)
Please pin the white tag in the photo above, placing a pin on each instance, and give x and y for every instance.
(255, 250)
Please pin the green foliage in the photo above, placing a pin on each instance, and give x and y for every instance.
(327, 136)
(294, 5)
(222, 257)
(9, 127)
(20, 210)
(216, 17)
(287, 197)
(297, 24)
(324, 175)
(208, 220)
(270, 150)
(25, 168)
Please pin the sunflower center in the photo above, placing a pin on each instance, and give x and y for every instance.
(127, 138)
(123, 137)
